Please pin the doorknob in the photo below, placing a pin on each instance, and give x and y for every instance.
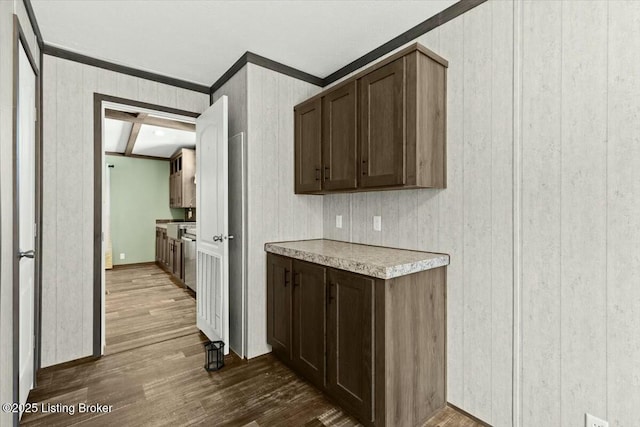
(27, 254)
(217, 238)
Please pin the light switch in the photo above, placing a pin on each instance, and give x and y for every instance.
(377, 223)
(122, 256)
(338, 221)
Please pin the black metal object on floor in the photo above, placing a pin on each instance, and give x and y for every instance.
(214, 355)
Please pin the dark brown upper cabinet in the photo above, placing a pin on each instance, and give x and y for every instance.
(382, 115)
(339, 138)
(308, 152)
(384, 128)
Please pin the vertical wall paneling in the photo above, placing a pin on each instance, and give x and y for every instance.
(477, 114)
(275, 213)
(516, 381)
(623, 219)
(49, 219)
(339, 204)
(148, 91)
(68, 194)
(583, 211)
(501, 200)
(71, 288)
(541, 213)
(89, 81)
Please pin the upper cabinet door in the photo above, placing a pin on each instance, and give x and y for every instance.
(308, 154)
(339, 138)
(382, 137)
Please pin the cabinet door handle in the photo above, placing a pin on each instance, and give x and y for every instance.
(317, 174)
(286, 277)
(329, 296)
(296, 279)
(364, 167)
(326, 173)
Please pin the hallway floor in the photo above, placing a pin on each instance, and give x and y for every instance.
(152, 373)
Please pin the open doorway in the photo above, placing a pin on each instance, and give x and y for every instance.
(145, 198)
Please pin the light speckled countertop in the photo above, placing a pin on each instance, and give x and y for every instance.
(374, 261)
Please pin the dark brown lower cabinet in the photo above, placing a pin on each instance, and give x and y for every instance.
(376, 347)
(158, 244)
(309, 321)
(279, 305)
(169, 254)
(177, 259)
(350, 341)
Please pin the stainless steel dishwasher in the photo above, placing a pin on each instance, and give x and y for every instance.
(189, 248)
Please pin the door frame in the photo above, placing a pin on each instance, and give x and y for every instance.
(19, 39)
(98, 166)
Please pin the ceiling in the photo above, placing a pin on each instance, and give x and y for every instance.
(198, 41)
(156, 139)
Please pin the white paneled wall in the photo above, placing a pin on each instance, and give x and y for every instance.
(68, 194)
(236, 90)
(622, 157)
(581, 193)
(7, 10)
(275, 213)
(471, 219)
(579, 225)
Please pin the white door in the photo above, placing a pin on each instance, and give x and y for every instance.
(212, 230)
(26, 219)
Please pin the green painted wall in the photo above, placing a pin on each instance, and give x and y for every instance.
(139, 196)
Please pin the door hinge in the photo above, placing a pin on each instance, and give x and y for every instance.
(35, 229)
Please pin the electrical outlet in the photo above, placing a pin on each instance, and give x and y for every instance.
(377, 223)
(592, 421)
(122, 256)
(338, 221)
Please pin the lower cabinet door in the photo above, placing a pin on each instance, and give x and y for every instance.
(309, 319)
(279, 305)
(171, 257)
(177, 259)
(350, 341)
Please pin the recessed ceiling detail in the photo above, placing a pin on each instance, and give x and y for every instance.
(197, 41)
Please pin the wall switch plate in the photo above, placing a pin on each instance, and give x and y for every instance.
(592, 421)
(338, 221)
(377, 223)
(121, 256)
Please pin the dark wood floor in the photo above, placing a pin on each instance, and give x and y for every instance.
(152, 373)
